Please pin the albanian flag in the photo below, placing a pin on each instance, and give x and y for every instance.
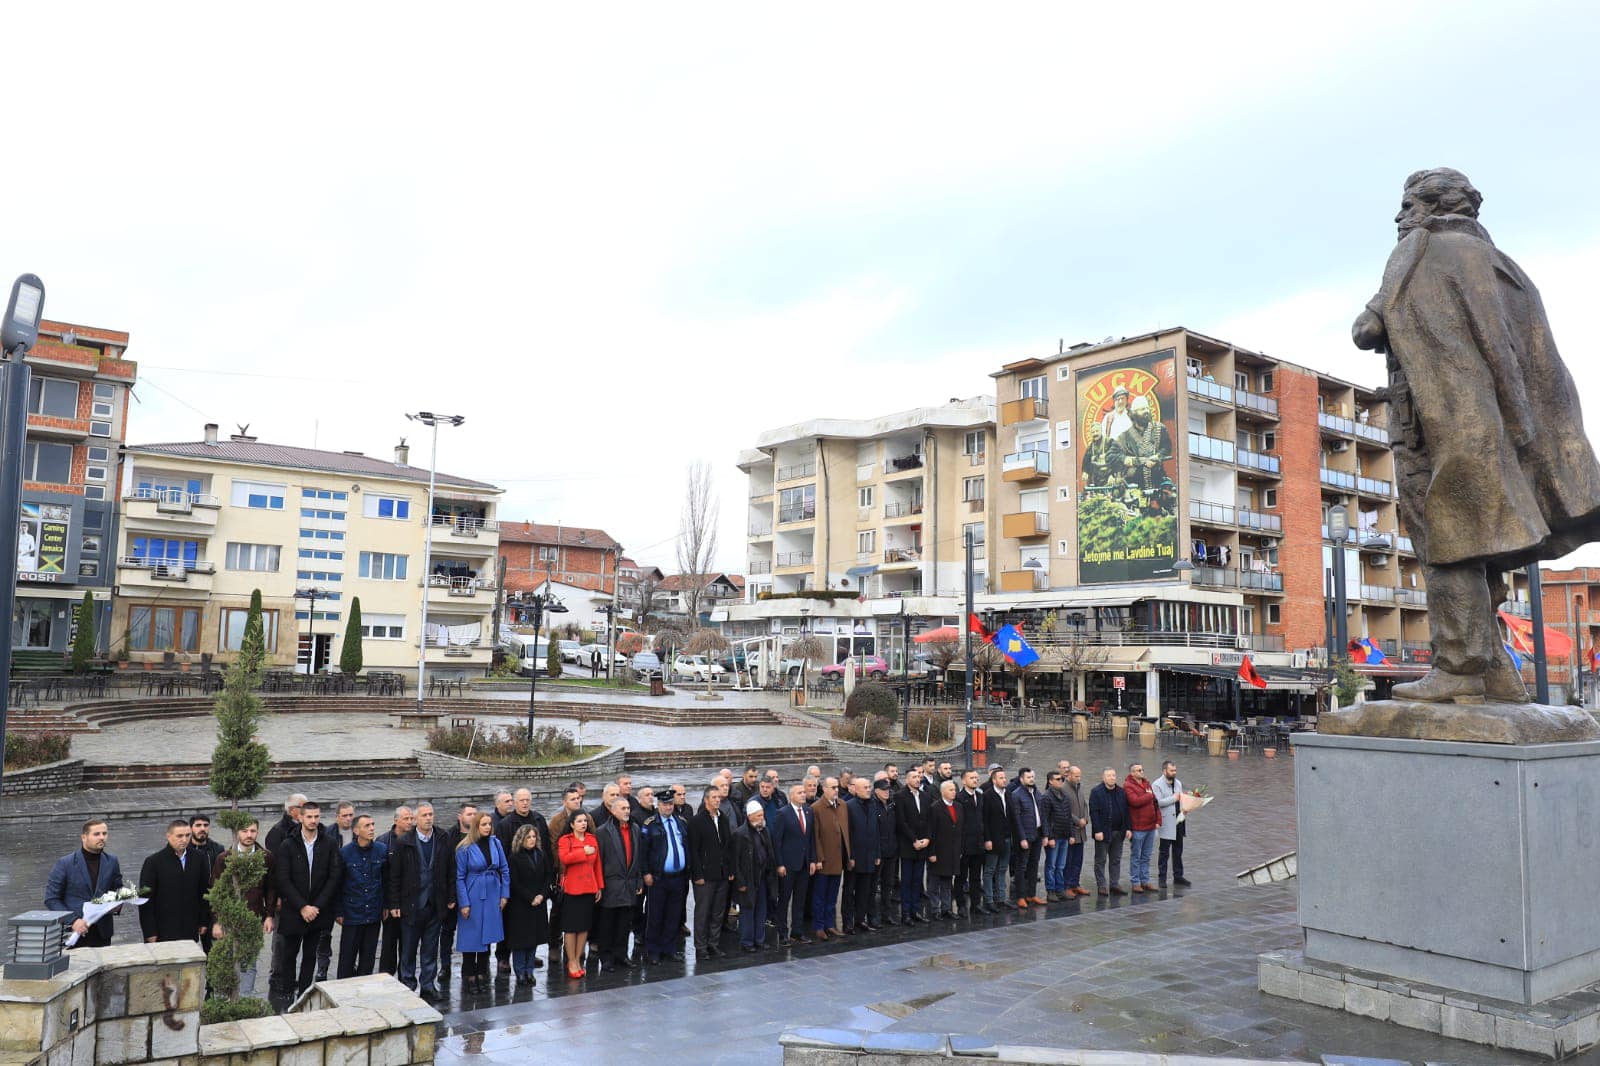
(1247, 674)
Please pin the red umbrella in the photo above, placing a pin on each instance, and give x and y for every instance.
(942, 633)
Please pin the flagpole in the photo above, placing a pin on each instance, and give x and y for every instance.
(1541, 672)
(966, 746)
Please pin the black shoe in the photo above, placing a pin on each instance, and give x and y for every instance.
(1184, 881)
(804, 940)
(625, 962)
(429, 994)
(889, 919)
(748, 949)
(322, 975)
(714, 953)
(538, 963)
(786, 942)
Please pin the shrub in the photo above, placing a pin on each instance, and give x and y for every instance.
(83, 642)
(874, 698)
(213, 1011)
(36, 749)
(509, 745)
(868, 729)
(931, 727)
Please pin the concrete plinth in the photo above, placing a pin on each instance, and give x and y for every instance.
(1463, 865)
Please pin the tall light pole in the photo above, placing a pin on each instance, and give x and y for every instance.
(312, 594)
(1339, 530)
(542, 602)
(966, 625)
(17, 336)
(428, 418)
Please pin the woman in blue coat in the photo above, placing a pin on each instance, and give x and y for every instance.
(483, 884)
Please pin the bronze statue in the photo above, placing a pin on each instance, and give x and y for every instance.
(1492, 465)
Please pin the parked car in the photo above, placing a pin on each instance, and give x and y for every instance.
(646, 664)
(570, 650)
(529, 653)
(734, 659)
(592, 655)
(697, 667)
(874, 667)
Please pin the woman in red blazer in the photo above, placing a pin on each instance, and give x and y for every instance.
(581, 882)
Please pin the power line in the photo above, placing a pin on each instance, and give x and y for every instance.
(248, 374)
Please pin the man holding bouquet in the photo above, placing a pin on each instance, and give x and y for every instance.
(1173, 827)
(87, 873)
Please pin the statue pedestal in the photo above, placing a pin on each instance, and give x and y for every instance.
(1469, 866)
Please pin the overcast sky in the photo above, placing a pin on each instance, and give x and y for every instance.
(621, 241)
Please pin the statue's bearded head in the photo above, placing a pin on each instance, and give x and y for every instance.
(1440, 191)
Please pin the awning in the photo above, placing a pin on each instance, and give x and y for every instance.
(862, 571)
(1278, 678)
(1557, 645)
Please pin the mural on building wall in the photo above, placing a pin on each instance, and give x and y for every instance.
(1128, 470)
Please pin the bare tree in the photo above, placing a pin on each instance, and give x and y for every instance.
(942, 653)
(697, 537)
(642, 591)
(707, 642)
(805, 649)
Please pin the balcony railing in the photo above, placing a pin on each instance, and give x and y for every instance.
(901, 463)
(903, 555)
(1261, 520)
(797, 514)
(1415, 652)
(1378, 593)
(760, 566)
(1025, 524)
(797, 470)
(760, 529)
(1403, 543)
(1256, 402)
(977, 458)
(1020, 466)
(1134, 638)
(1226, 578)
(1337, 478)
(1411, 597)
(170, 569)
(1260, 581)
(1263, 461)
(1376, 540)
(1374, 487)
(1027, 579)
(1025, 409)
(1215, 513)
(900, 510)
(1336, 423)
(1520, 608)
(1210, 390)
(1204, 447)
(1376, 434)
(793, 559)
(461, 584)
(174, 500)
(464, 525)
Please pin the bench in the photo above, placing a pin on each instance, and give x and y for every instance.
(417, 719)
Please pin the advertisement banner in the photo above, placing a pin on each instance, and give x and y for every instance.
(42, 540)
(1128, 470)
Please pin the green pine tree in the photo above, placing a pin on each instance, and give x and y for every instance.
(83, 643)
(552, 657)
(239, 765)
(350, 650)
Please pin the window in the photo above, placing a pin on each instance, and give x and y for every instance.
(152, 628)
(977, 529)
(1037, 440)
(1031, 388)
(864, 497)
(88, 569)
(1241, 381)
(47, 462)
(94, 520)
(548, 553)
(253, 556)
(1064, 493)
(320, 616)
(258, 494)
(100, 429)
(972, 442)
(94, 492)
(165, 550)
(1269, 498)
(866, 540)
(321, 534)
(387, 507)
(1063, 434)
(798, 504)
(321, 553)
(319, 575)
(383, 626)
(321, 514)
(53, 397)
(91, 544)
(1266, 381)
(1063, 373)
(99, 455)
(1269, 441)
(1061, 548)
(322, 494)
(383, 566)
(94, 473)
(230, 634)
(1274, 614)
(104, 397)
(972, 488)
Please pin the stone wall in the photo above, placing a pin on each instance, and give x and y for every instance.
(607, 764)
(852, 1047)
(360, 1020)
(844, 749)
(62, 776)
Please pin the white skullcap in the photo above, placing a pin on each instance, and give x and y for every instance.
(753, 806)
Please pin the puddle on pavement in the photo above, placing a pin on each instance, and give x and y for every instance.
(984, 970)
(906, 1008)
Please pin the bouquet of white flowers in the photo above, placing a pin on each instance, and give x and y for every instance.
(107, 902)
(121, 895)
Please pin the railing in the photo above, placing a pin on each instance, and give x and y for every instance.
(1264, 582)
(1390, 646)
(797, 514)
(1264, 461)
(1205, 447)
(1215, 513)
(1349, 534)
(1376, 434)
(796, 470)
(977, 458)
(1261, 642)
(1378, 593)
(174, 499)
(465, 525)
(760, 529)
(902, 555)
(1260, 520)
(175, 569)
(1256, 402)
(1211, 390)
(1336, 423)
(1223, 577)
(1023, 409)
(902, 463)
(1403, 542)
(1520, 608)
(900, 510)
(1415, 652)
(794, 559)
(1134, 638)
(1039, 462)
(1337, 478)
(1374, 487)
(468, 585)
(760, 566)
(1411, 597)
(1024, 579)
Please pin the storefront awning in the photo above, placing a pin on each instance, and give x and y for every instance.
(1278, 679)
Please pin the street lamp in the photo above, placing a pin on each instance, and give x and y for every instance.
(428, 418)
(542, 602)
(312, 594)
(18, 333)
(1339, 531)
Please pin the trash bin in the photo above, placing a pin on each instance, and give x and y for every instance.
(1216, 742)
(1147, 734)
(658, 687)
(797, 697)
(1119, 727)
(1080, 727)
(980, 736)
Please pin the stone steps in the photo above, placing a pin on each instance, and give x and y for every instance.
(156, 775)
(738, 758)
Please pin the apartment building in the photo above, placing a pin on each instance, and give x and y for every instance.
(636, 589)
(206, 522)
(578, 564)
(674, 593)
(77, 418)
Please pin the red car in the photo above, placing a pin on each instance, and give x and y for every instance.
(873, 666)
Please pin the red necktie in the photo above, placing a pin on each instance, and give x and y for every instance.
(802, 815)
(951, 807)
(627, 845)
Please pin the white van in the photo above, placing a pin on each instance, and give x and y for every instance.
(529, 653)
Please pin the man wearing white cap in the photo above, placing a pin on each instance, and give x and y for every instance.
(755, 867)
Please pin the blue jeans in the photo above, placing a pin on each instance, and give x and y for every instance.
(522, 961)
(423, 934)
(996, 866)
(1055, 866)
(1144, 842)
(753, 914)
(824, 901)
(1074, 864)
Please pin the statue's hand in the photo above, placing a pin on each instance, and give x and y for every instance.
(1368, 332)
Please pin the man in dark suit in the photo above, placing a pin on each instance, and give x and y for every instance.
(794, 840)
(969, 882)
(754, 867)
(996, 840)
(911, 811)
(422, 879)
(666, 879)
(864, 858)
(886, 892)
(505, 827)
(177, 880)
(622, 863)
(405, 819)
(309, 870)
(77, 878)
(944, 858)
(711, 870)
(1028, 828)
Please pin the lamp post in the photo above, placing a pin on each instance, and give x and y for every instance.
(1339, 531)
(542, 602)
(905, 671)
(312, 594)
(17, 336)
(428, 418)
(966, 744)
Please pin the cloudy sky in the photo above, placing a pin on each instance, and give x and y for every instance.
(621, 241)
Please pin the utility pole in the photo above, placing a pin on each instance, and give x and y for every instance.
(966, 746)
(17, 336)
(1541, 669)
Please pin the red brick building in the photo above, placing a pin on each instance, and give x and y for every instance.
(568, 555)
(1571, 609)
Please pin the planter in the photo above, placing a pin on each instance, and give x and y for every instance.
(1119, 727)
(1147, 734)
(604, 765)
(1080, 729)
(1216, 742)
(1269, 753)
(1233, 755)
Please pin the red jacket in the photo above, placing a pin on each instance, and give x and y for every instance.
(1143, 813)
(583, 874)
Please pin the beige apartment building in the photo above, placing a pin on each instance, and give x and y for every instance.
(203, 523)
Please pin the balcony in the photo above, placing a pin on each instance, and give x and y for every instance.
(50, 427)
(1027, 409)
(1265, 462)
(759, 566)
(473, 533)
(1025, 466)
(1260, 581)
(1338, 479)
(1403, 543)
(1214, 514)
(461, 589)
(1215, 577)
(792, 559)
(804, 513)
(1411, 597)
(1261, 642)
(904, 509)
(1023, 524)
(1028, 579)
(1378, 593)
(1376, 540)
(1416, 652)
(897, 556)
(1372, 486)
(1210, 390)
(760, 530)
(903, 464)
(1255, 402)
(1375, 434)
(761, 496)
(1336, 424)
(1267, 523)
(170, 509)
(1204, 447)
(796, 471)
(138, 572)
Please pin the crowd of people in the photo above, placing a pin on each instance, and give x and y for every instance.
(609, 883)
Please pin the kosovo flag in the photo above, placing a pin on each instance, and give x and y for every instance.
(1357, 650)
(1009, 640)
(1374, 653)
(1516, 660)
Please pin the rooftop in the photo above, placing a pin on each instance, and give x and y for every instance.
(970, 413)
(565, 536)
(251, 452)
